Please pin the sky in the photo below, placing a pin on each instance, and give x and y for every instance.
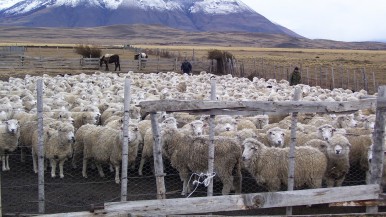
(339, 20)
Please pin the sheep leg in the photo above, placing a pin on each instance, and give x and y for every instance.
(100, 169)
(53, 168)
(73, 162)
(185, 185)
(140, 169)
(7, 162)
(61, 163)
(339, 182)
(22, 155)
(117, 179)
(34, 161)
(84, 169)
(3, 162)
(330, 182)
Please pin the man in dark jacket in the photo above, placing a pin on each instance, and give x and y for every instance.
(186, 67)
(295, 77)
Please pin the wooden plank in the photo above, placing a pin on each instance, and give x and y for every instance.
(264, 107)
(246, 201)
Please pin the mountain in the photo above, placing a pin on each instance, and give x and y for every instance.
(189, 15)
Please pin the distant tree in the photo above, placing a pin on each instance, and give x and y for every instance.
(222, 58)
(88, 51)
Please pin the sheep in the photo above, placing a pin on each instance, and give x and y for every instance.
(358, 152)
(147, 151)
(337, 151)
(104, 144)
(274, 137)
(9, 140)
(245, 124)
(189, 153)
(259, 120)
(269, 165)
(324, 132)
(81, 118)
(58, 146)
(224, 123)
(240, 135)
(194, 128)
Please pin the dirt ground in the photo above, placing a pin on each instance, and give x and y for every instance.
(74, 193)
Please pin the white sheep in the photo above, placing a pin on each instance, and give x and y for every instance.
(9, 140)
(274, 137)
(58, 146)
(190, 153)
(269, 165)
(147, 151)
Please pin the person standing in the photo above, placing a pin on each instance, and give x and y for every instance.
(295, 77)
(186, 67)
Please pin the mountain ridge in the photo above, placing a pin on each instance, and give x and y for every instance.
(191, 15)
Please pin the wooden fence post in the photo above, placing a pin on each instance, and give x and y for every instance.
(158, 162)
(291, 160)
(308, 77)
(365, 85)
(211, 138)
(39, 107)
(355, 80)
(332, 76)
(379, 140)
(126, 139)
(374, 85)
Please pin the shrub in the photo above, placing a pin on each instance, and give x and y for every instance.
(88, 51)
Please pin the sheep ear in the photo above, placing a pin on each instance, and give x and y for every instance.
(333, 129)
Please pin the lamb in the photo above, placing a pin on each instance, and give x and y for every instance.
(9, 140)
(58, 145)
(269, 165)
(189, 153)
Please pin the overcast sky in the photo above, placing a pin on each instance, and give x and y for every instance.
(340, 20)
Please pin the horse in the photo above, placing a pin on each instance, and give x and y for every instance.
(110, 58)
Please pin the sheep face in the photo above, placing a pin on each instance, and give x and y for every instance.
(249, 150)
(276, 137)
(12, 126)
(326, 132)
(339, 147)
(197, 127)
(346, 121)
(170, 122)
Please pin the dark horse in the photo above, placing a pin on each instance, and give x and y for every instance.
(110, 58)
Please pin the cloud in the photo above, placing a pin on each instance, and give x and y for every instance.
(344, 20)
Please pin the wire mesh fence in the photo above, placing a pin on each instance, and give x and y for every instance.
(74, 192)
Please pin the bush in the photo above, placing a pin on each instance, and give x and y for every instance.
(87, 51)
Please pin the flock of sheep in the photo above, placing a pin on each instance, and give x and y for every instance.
(83, 118)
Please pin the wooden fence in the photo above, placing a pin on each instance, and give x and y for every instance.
(370, 192)
(325, 76)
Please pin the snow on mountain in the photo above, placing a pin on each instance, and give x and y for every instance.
(206, 6)
(190, 15)
(219, 7)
